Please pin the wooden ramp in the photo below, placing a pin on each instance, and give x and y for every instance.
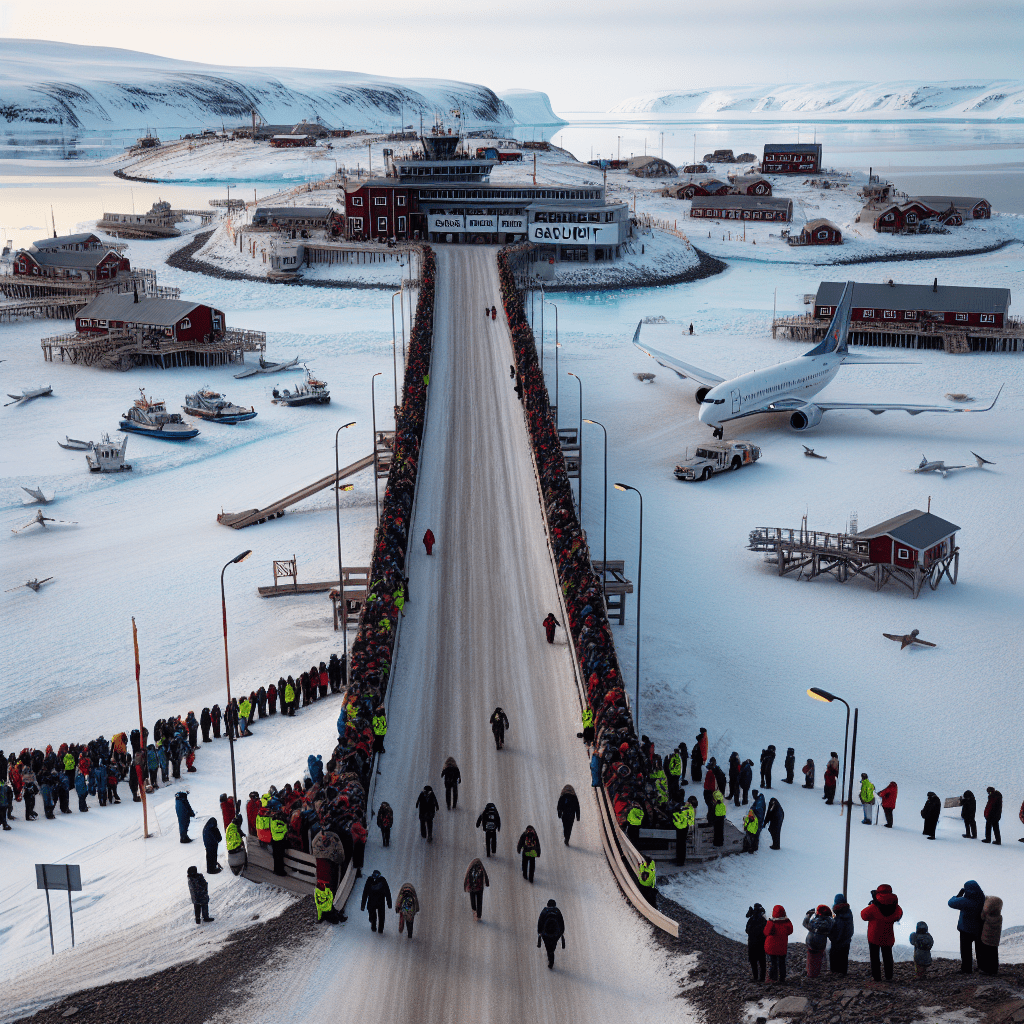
(300, 872)
(236, 520)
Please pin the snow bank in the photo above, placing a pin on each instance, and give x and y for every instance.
(530, 107)
(983, 99)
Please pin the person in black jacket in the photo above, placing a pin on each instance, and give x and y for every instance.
(757, 920)
(568, 810)
(199, 892)
(205, 721)
(211, 840)
(491, 822)
(376, 892)
(969, 812)
(790, 765)
(993, 812)
(427, 805)
(550, 928)
(734, 779)
(215, 720)
(767, 760)
(746, 778)
(452, 777)
(773, 819)
(499, 723)
(719, 776)
(930, 812)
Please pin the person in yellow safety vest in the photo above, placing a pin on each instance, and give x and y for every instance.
(263, 821)
(634, 819)
(380, 730)
(660, 782)
(289, 697)
(278, 833)
(353, 708)
(399, 598)
(751, 831)
(324, 900)
(675, 771)
(683, 820)
(235, 843)
(244, 715)
(718, 804)
(646, 875)
(867, 797)
(588, 726)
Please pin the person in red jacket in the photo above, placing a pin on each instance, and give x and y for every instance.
(428, 541)
(251, 810)
(888, 798)
(881, 914)
(227, 808)
(549, 626)
(776, 943)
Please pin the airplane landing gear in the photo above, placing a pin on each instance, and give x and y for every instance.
(718, 433)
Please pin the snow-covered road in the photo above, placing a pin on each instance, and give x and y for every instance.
(471, 640)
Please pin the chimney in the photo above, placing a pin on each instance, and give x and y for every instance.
(935, 285)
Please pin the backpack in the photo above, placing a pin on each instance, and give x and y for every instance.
(529, 841)
(552, 927)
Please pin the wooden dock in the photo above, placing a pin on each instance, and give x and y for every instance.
(300, 872)
(356, 581)
(62, 298)
(238, 520)
(616, 587)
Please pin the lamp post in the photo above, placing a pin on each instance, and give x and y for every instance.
(373, 407)
(337, 520)
(579, 441)
(227, 668)
(824, 695)
(394, 341)
(542, 301)
(639, 572)
(550, 303)
(604, 543)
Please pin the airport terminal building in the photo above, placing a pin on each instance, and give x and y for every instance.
(444, 195)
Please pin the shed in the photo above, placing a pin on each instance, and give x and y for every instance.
(695, 169)
(751, 185)
(820, 232)
(970, 208)
(914, 539)
(651, 167)
(176, 318)
(742, 208)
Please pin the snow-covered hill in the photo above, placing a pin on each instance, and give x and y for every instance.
(530, 107)
(100, 87)
(990, 98)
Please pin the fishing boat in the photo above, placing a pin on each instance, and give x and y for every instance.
(108, 456)
(309, 392)
(211, 405)
(268, 367)
(74, 445)
(150, 416)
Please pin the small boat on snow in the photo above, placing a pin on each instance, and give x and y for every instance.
(72, 444)
(268, 367)
(108, 456)
(211, 405)
(309, 392)
(150, 416)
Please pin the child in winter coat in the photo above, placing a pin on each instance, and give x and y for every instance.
(199, 892)
(407, 906)
(756, 923)
(922, 943)
(776, 943)
(819, 923)
(991, 931)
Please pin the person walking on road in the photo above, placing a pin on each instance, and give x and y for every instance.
(474, 882)
(970, 901)
(385, 819)
(427, 805)
(881, 914)
(491, 822)
(888, 798)
(529, 847)
(499, 723)
(867, 797)
(568, 810)
(376, 892)
(451, 776)
(550, 928)
(549, 626)
(428, 541)
(407, 906)
(930, 812)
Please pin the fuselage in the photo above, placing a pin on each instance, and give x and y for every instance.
(758, 391)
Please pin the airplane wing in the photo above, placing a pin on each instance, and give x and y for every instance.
(879, 407)
(677, 365)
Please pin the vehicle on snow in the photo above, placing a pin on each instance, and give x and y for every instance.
(716, 457)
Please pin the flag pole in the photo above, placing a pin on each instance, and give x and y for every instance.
(142, 735)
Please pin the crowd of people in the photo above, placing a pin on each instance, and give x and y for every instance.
(831, 928)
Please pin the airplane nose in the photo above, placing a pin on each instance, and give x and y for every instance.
(705, 413)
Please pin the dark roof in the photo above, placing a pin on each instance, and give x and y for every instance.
(88, 259)
(158, 312)
(947, 299)
(56, 243)
(820, 222)
(742, 202)
(793, 147)
(918, 529)
(293, 212)
(942, 203)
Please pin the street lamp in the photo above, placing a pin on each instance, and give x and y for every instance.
(824, 695)
(639, 571)
(337, 520)
(604, 544)
(542, 301)
(394, 340)
(373, 407)
(557, 346)
(579, 441)
(227, 668)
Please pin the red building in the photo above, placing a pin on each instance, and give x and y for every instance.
(742, 208)
(969, 208)
(908, 217)
(915, 539)
(81, 257)
(820, 232)
(752, 185)
(379, 208)
(173, 318)
(916, 303)
(791, 158)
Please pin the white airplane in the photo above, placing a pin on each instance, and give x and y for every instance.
(786, 388)
(924, 466)
(41, 520)
(37, 496)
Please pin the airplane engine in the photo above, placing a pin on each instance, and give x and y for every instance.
(808, 416)
(700, 395)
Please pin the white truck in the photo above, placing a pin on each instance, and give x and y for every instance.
(716, 457)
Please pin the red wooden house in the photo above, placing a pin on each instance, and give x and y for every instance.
(173, 318)
(820, 232)
(883, 304)
(908, 217)
(379, 208)
(915, 539)
(791, 158)
(81, 257)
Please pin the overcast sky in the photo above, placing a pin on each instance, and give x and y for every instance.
(586, 56)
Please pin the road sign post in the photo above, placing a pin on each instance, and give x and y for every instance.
(61, 877)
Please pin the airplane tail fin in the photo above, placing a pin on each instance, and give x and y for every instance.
(981, 461)
(838, 328)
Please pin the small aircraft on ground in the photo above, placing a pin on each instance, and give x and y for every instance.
(28, 395)
(810, 453)
(42, 520)
(908, 639)
(31, 584)
(940, 467)
(37, 496)
(787, 387)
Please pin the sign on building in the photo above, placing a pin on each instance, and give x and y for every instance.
(513, 224)
(446, 222)
(586, 234)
